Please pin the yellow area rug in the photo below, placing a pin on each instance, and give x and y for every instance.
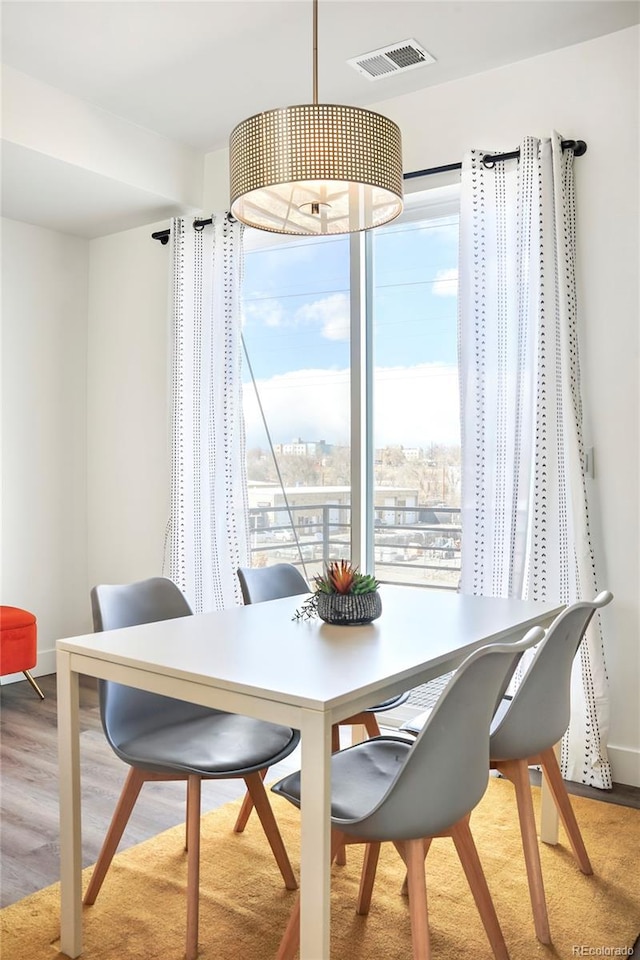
(140, 912)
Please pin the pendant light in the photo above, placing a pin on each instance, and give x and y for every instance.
(316, 168)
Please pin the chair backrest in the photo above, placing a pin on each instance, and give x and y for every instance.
(445, 773)
(271, 583)
(129, 604)
(125, 711)
(538, 715)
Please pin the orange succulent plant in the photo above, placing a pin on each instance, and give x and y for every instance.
(341, 576)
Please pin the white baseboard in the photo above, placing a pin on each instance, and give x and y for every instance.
(625, 765)
(46, 664)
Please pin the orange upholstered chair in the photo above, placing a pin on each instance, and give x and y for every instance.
(18, 643)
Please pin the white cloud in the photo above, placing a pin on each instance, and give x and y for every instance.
(414, 406)
(268, 312)
(446, 283)
(332, 313)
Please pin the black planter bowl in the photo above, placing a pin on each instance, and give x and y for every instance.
(349, 609)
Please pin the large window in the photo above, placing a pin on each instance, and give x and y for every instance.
(297, 397)
(416, 423)
(355, 336)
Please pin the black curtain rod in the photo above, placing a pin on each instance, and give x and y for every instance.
(489, 160)
(163, 235)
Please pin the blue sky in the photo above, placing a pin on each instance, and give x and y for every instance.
(296, 327)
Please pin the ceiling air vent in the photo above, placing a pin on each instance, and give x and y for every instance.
(398, 58)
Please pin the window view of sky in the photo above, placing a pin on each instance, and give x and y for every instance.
(415, 270)
(296, 328)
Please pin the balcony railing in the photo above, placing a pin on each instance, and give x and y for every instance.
(417, 545)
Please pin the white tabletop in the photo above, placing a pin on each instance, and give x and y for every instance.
(260, 649)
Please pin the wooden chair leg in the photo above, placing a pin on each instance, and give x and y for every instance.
(291, 937)
(126, 803)
(518, 772)
(472, 867)
(246, 808)
(367, 878)
(404, 890)
(371, 725)
(414, 851)
(549, 763)
(186, 822)
(341, 856)
(263, 809)
(193, 865)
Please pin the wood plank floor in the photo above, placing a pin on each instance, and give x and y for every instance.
(29, 801)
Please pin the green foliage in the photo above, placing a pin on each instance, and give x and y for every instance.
(364, 583)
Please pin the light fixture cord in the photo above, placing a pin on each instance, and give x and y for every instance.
(273, 456)
(315, 51)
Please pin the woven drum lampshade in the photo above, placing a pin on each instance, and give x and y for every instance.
(316, 168)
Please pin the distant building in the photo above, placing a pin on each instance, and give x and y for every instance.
(303, 448)
(408, 453)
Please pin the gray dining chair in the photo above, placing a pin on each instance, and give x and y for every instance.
(524, 732)
(162, 738)
(390, 789)
(259, 584)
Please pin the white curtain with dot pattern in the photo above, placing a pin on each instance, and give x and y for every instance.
(525, 522)
(208, 525)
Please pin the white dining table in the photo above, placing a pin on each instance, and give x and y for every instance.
(258, 661)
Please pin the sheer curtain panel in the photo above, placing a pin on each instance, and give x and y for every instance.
(524, 500)
(208, 525)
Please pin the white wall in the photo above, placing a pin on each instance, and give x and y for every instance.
(84, 421)
(588, 92)
(128, 475)
(44, 456)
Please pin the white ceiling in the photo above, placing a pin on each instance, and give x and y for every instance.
(46, 191)
(190, 71)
